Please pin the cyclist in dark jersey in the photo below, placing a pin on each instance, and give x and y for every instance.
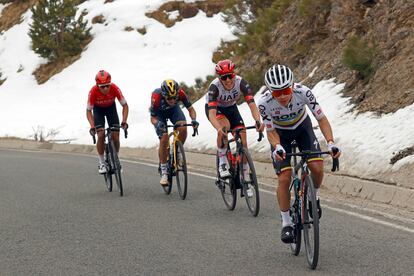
(101, 104)
(165, 105)
(221, 109)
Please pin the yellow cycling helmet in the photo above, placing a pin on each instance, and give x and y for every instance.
(169, 89)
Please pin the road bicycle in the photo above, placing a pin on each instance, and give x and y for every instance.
(112, 161)
(176, 160)
(249, 188)
(304, 210)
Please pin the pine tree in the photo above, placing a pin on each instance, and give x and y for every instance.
(55, 32)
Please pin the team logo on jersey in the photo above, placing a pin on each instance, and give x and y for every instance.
(229, 97)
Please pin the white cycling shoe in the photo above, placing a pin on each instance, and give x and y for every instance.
(164, 179)
(224, 171)
(102, 168)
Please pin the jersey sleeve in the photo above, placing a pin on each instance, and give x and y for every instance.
(311, 101)
(212, 95)
(265, 113)
(247, 91)
(155, 103)
(91, 100)
(118, 95)
(182, 96)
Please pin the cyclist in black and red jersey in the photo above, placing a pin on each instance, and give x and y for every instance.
(221, 109)
(101, 104)
(164, 105)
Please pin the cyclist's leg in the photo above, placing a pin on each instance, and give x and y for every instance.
(163, 150)
(177, 117)
(236, 121)
(99, 121)
(113, 122)
(224, 123)
(307, 141)
(284, 177)
(282, 191)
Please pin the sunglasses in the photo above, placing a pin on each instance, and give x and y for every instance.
(228, 76)
(170, 98)
(104, 86)
(287, 91)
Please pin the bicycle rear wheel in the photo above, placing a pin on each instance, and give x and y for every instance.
(108, 174)
(181, 170)
(310, 223)
(249, 184)
(227, 188)
(116, 167)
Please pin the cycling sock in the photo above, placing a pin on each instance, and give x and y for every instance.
(222, 156)
(286, 218)
(101, 158)
(164, 168)
(317, 193)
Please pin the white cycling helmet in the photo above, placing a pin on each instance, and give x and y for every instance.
(278, 77)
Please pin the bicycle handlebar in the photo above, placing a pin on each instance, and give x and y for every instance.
(110, 129)
(195, 130)
(237, 130)
(306, 153)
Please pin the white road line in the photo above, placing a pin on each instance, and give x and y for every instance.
(364, 217)
(370, 219)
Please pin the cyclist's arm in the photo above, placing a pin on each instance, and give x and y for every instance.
(273, 137)
(154, 120)
(192, 112)
(254, 111)
(89, 116)
(89, 107)
(212, 113)
(212, 103)
(125, 112)
(326, 129)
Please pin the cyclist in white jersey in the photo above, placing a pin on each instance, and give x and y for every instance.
(283, 109)
(221, 109)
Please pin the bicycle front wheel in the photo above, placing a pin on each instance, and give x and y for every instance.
(181, 170)
(116, 166)
(249, 183)
(227, 188)
(108, 174)
(310, 223)
(297, 231)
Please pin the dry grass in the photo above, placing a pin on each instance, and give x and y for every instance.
(45, 71)
(186, 10)
(11, 15)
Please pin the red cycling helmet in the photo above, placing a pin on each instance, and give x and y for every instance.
(224, 67)
(102, 77)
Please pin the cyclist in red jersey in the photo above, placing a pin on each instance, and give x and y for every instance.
(101, 104)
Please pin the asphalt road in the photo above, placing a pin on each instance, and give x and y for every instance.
(56, 218)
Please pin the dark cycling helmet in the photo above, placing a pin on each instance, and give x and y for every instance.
(169, 89)
(102, 77)
(224, 67)
(278, 77)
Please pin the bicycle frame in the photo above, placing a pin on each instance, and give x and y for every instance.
(175, 133)
(234, 157)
